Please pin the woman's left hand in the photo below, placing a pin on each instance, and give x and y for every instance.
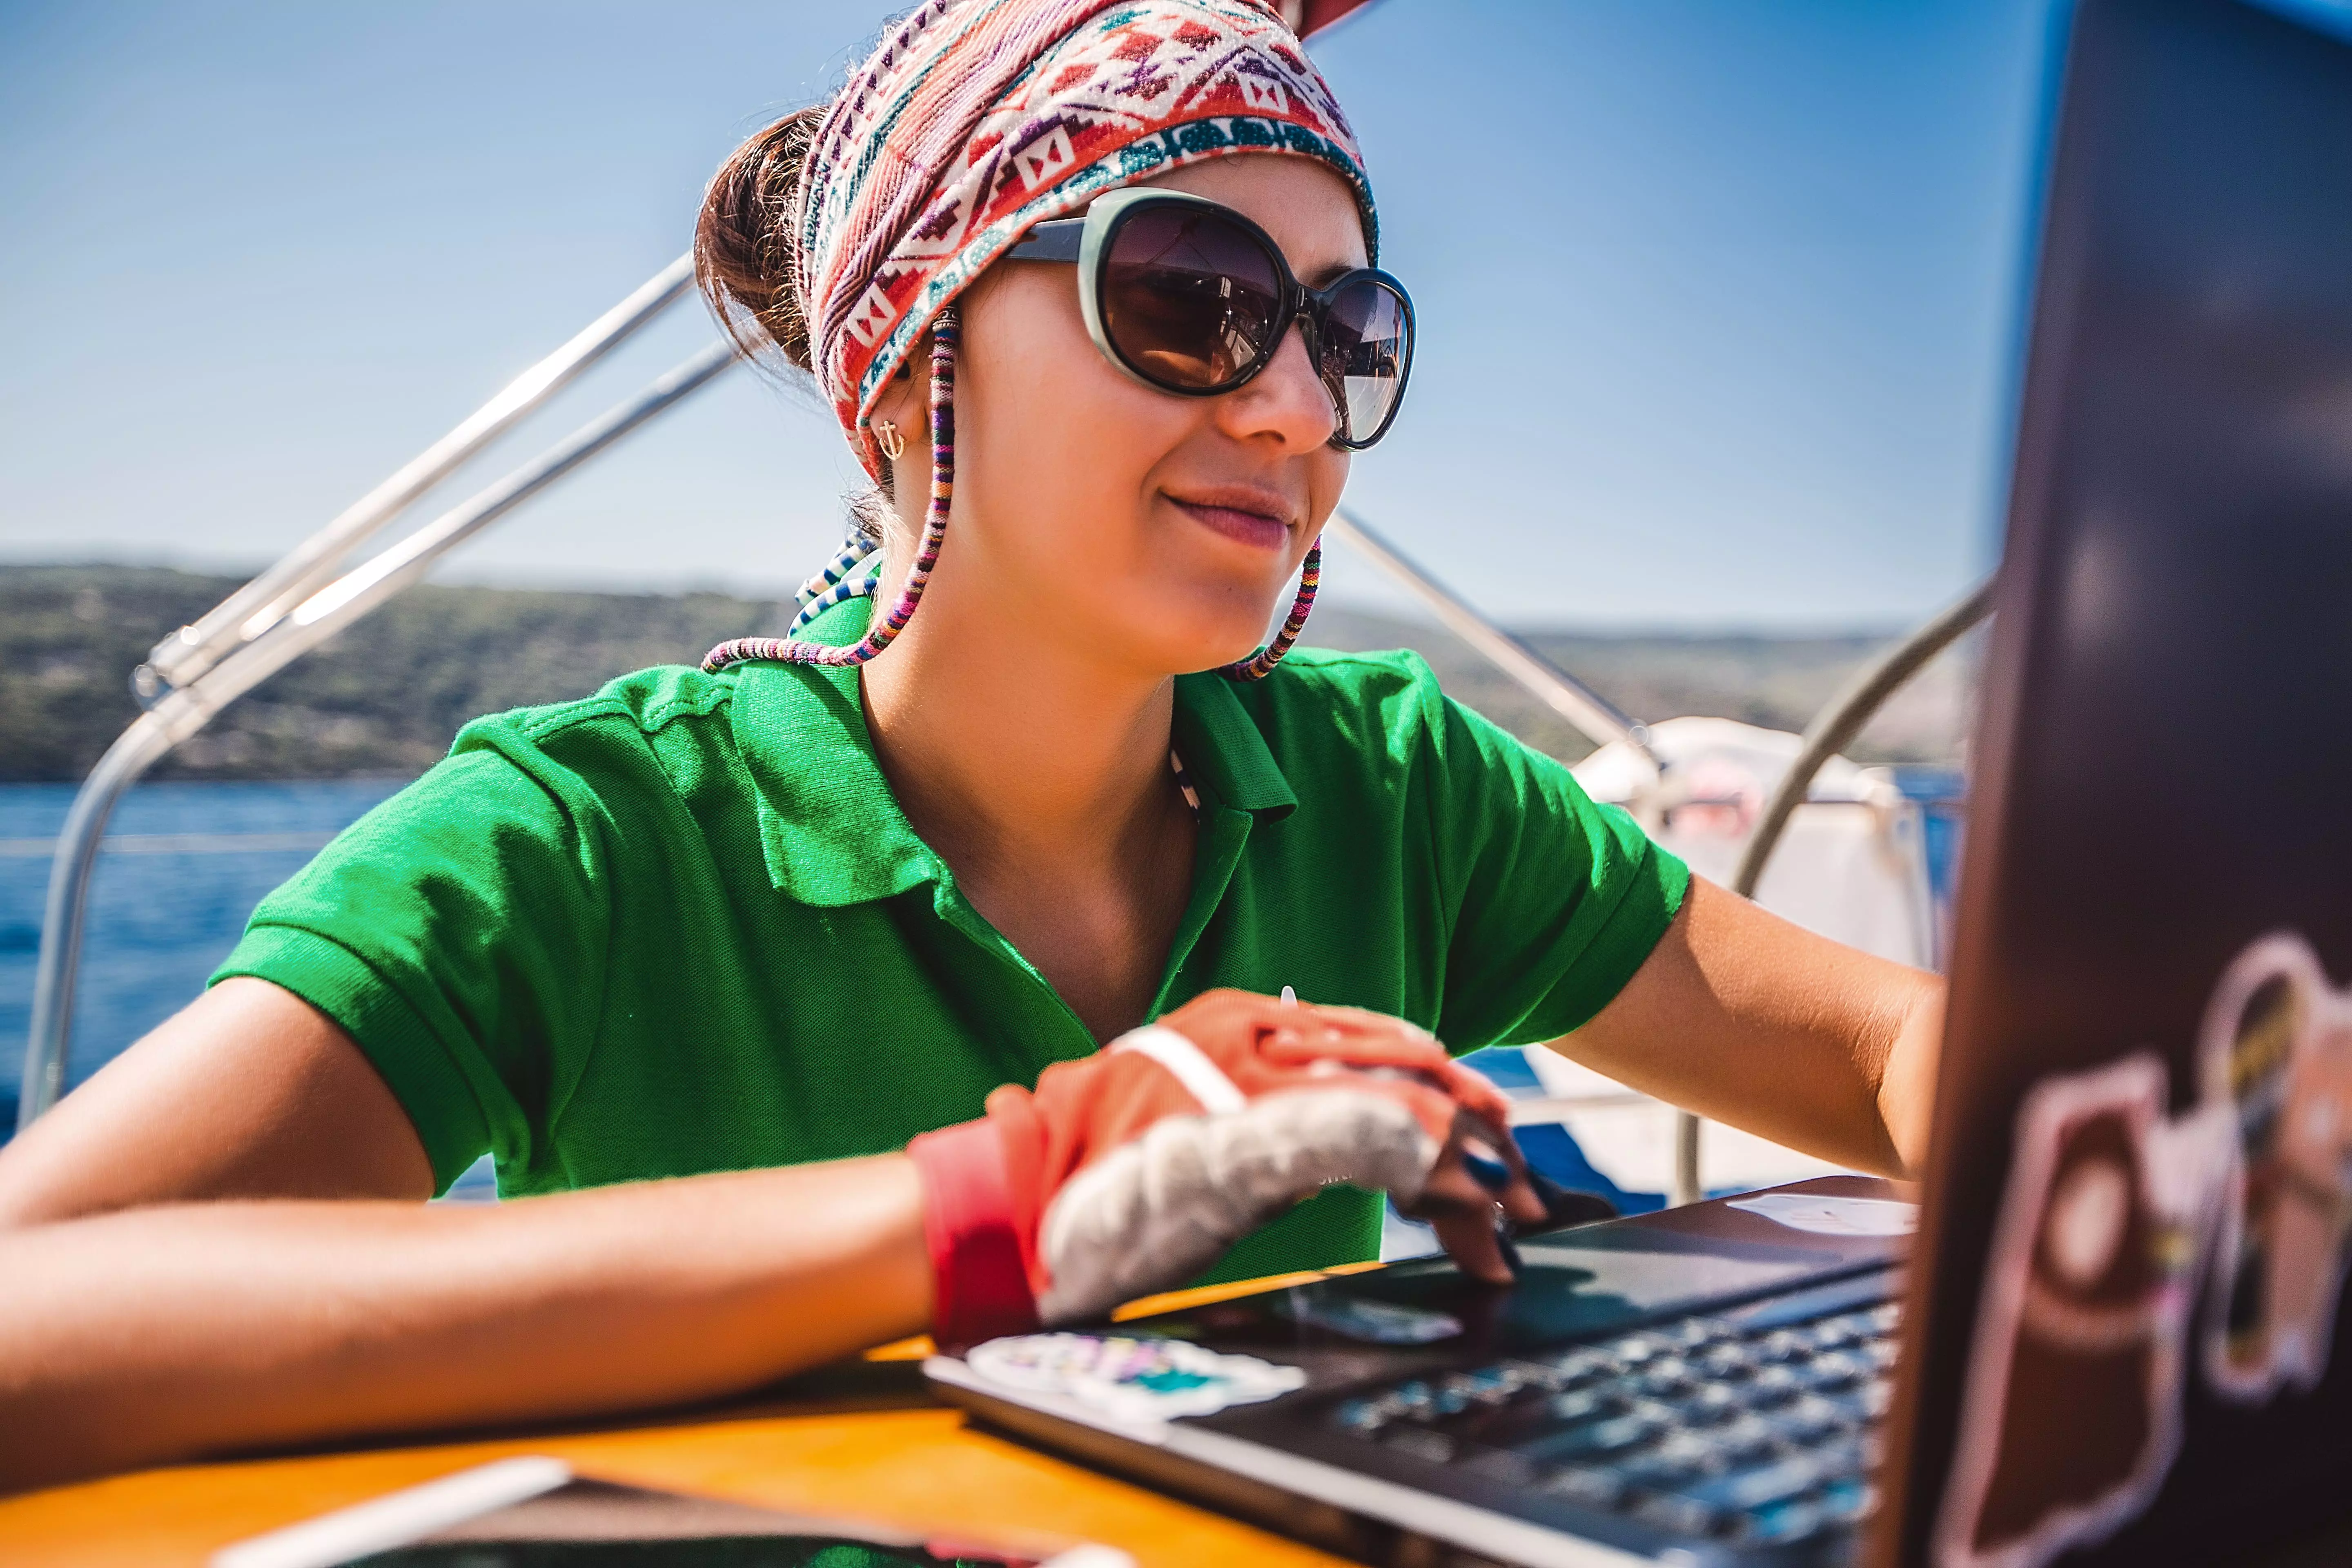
(1129, 1170)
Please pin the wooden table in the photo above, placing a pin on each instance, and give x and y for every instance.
(859, 1441)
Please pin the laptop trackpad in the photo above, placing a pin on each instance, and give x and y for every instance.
(1571, 1286)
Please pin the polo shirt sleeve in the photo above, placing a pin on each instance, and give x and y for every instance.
(457, 932)
(1557, 900)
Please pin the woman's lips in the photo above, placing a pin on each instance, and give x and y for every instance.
(1250, 521)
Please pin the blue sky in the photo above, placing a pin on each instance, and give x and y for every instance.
(1718, 296)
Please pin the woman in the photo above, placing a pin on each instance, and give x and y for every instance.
(747, 970)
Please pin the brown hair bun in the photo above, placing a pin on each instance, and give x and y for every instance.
(744, 258)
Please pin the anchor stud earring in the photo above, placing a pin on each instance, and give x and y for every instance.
(887, 436)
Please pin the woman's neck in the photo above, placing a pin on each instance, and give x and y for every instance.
(1008, 747)
(1039, 773)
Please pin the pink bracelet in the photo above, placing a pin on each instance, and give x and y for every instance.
(979, 1289)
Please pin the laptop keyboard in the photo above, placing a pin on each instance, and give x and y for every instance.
(1747, 1436)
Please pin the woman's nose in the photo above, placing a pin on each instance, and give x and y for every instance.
(1285, 400)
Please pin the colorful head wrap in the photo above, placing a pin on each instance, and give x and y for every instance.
(975, 121)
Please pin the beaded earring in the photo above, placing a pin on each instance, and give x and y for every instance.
(945, 334)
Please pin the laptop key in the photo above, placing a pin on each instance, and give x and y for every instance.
(1745, 1440)
(1422, 1444)
(1808, 1421)
(1570, 1369)
(1505, 1426)
(1751, 1489)
(1589, 1440)
(1674, 1511)
(1781, 1524)
(1448, 1399)
(1634, 1350)
(1772, 1386)
(1713, 1403)
(1415, 1399)
(1835, 1370)
(1849, 1501)
(1588, 1484)
(1677, 1458)
(1835, 1333)
(1586, 1404)
(1489, 1385)
(1515, 1470)
(1665, 1378)
(1692, 1332)
(1727, 1360)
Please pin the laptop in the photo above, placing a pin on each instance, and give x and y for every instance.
(2114, 1336)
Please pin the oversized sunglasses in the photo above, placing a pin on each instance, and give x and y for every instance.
(1193, 298)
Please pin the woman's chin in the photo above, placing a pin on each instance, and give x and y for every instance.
(1191, 656)
(1183, 632)
(1222, 652)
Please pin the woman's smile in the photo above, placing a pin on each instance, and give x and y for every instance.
(1247, 514)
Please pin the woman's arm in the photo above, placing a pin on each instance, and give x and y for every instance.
(1742, 1016)
(130, 1337)
(133, 1334)
(164, 1332)
(246, 1092)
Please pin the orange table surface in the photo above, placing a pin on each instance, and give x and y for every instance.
(857, 1442)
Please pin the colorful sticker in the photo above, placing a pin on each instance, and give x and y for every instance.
(1135, 1379)
(2071, 1416)
(2276, 1051)
(1827, 1216)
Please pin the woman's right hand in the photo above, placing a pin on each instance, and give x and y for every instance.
(1129, 1170)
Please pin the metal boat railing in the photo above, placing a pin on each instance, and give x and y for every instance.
(309, 596)
(1598, 719)
(1832, 730)
(261, 604)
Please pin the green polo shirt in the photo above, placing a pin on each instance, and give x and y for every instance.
(682, 925)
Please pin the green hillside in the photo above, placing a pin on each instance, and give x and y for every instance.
(387, 695)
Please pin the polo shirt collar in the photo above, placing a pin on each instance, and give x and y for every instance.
(831, 830)
(1224, 749)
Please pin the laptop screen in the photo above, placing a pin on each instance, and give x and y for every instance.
(2139, 1197)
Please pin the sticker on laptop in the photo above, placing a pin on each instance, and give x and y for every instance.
(2071, 1416)
(2276, 1053)
(1133, 1378)
(1372, 1322)
(1829, 1216)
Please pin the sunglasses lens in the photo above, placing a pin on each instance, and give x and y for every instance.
(1188, 297)
(1367, 344)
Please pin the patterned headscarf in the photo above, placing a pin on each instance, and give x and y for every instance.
(975, 121)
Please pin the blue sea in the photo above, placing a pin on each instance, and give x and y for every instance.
(185, 864)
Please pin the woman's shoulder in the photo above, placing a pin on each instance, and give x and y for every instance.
(1322, 692)
(1379, 677)
(643, 730)
(1327, 719)
(637, 706)
(1383, 709)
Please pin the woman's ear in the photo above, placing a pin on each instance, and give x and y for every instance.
(905, 402)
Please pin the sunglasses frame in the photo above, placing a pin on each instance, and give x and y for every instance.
(1086, 241)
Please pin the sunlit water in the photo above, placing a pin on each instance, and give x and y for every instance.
(158, 923)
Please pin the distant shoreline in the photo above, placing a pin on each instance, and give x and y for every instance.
(387, 695)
